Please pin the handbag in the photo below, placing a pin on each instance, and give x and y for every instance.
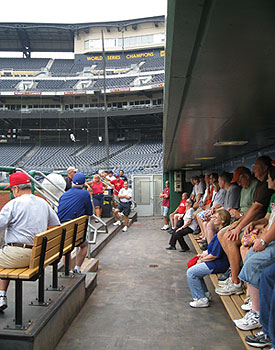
(192, 261)
(248, 239)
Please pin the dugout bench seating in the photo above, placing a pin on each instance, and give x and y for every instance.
(232, 303)
(48, 248)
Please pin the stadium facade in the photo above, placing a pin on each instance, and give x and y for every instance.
(60, 105)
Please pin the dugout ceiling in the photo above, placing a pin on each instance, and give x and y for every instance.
(220, 80)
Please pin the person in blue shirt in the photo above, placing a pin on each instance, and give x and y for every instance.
(214, 260)
(72, 204)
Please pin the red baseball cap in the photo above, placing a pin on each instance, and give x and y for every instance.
(18, 179)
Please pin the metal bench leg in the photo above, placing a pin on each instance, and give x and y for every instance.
(40, 300)
(18, 303)
(18, 322)
(54, 286)
(67, 273)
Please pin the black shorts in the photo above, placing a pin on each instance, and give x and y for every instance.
(125, 208)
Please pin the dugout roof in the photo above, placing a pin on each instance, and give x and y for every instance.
(220, 80)
(50, 37)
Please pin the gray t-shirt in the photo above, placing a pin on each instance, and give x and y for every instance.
(232, 197)
(24, 217)
(218, 197)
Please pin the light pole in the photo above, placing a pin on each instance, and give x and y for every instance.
(105, 103)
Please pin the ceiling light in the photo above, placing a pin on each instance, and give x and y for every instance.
(193, 164)
(230, 143)
(205, 158)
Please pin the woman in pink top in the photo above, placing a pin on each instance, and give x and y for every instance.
(97, 187)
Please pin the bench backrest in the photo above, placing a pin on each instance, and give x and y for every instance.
(70, 227)
(54, 236)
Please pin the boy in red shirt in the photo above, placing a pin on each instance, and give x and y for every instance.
(179, 212)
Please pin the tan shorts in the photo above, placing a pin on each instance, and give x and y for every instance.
(14, 257)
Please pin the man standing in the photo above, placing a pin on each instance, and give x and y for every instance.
(125, 200)
(71, 171)
(110, 176)
(165, 194)
(118, 184)
(22, 218)
(73, 204)
(122, 176)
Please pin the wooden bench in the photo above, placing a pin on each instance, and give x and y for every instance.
(48, 248)
(75, 235)
(232, 303)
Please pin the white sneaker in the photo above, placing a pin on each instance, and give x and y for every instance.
(3, 302)
(225, 282)
(247, 306)
(120, 213)
(202, 302)
(165, 227)
(125, 228)
(117, 223)
(230, 288)
(250, 321)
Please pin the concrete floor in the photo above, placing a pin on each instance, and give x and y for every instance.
(142, 300)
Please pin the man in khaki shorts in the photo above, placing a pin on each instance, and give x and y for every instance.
(20, 220)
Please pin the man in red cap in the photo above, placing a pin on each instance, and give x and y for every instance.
(20, 220)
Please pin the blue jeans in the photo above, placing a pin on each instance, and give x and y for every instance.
(267, 302)
(255, 263)
(195, 280)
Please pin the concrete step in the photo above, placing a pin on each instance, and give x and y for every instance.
(45, 325)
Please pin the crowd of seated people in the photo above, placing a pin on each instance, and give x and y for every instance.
(236, 219)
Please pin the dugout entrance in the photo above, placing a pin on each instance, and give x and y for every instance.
(146, 190)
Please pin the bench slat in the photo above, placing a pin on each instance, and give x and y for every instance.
(15, 273)
(52, 233)
(28, 273)
(238, 303)
(67, 249)
(55, 242)
(234, 314)
(5, 272)
(50, 256)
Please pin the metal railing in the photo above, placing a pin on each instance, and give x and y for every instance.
(54, 201)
